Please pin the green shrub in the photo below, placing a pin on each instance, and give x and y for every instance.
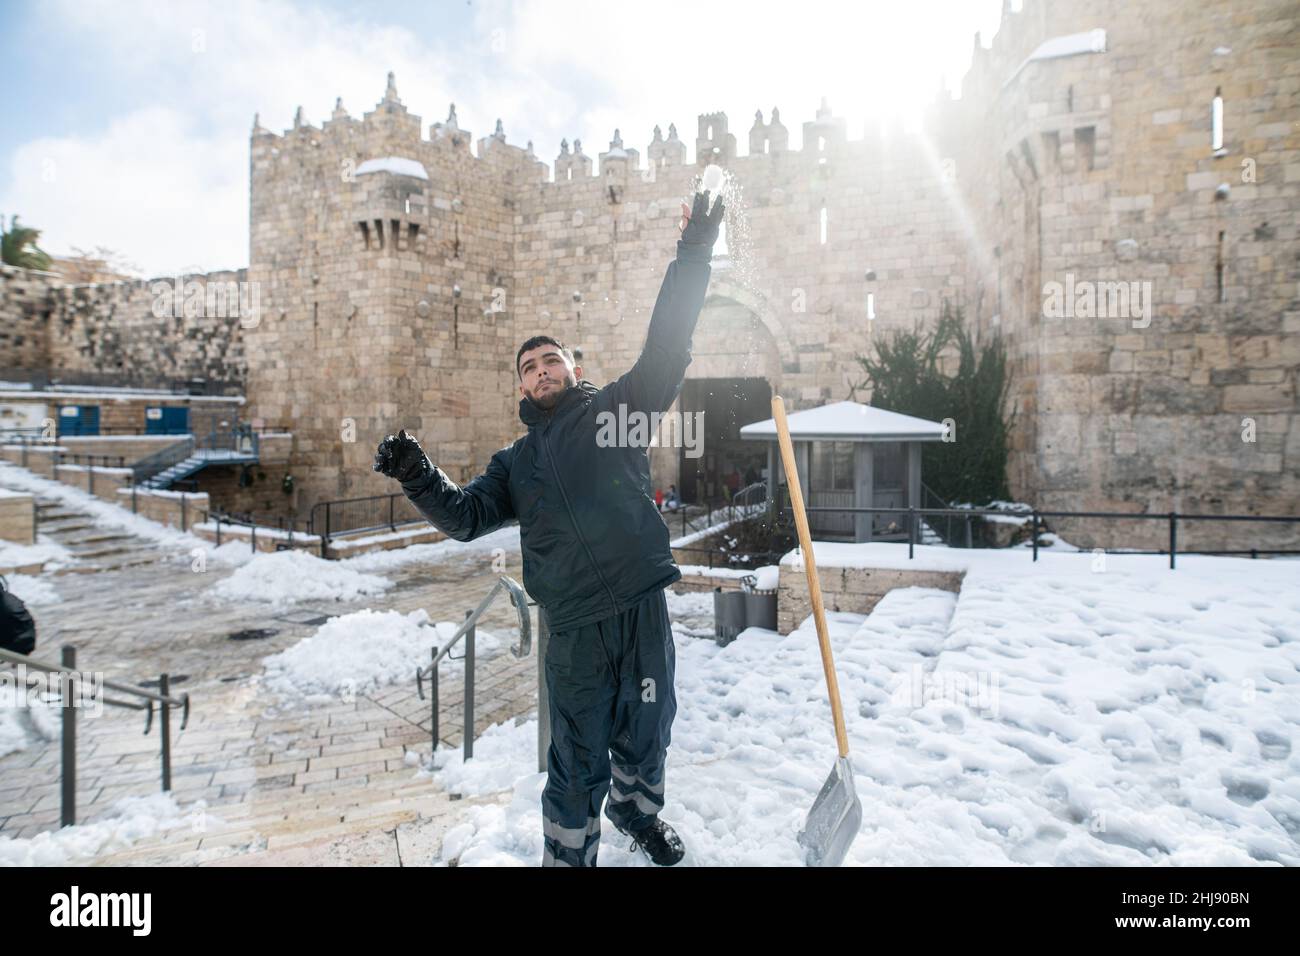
(905, 375)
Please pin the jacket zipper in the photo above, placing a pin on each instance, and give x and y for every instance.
(546, 442)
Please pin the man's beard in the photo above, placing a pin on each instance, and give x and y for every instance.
(548, 398)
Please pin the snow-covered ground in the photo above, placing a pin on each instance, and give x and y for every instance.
(133, 818)
(108, 515)
(45, 552)
(25, 718)
(1072, 712)
(32, 590)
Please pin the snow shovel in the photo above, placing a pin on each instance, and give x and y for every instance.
(836, 814)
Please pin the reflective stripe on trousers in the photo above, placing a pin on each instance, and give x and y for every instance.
(612, 705)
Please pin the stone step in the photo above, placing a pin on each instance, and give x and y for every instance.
(279, 832)
(98, 552)
(63, 526)
(56, 509)
(131, 561)
(98, 538)
(296, 810)
(410, 837)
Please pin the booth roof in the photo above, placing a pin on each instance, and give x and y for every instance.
(848, 421)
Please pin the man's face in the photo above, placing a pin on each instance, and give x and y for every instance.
(545, 373)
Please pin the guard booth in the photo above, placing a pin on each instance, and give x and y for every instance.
(78, 420)
(851, 455)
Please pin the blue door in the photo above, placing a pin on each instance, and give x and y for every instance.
(160, 420)
(78, 419)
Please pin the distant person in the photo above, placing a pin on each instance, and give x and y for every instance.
(671, 503)
(751, 476)
(659, 499)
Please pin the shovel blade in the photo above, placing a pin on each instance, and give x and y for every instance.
(834, 820)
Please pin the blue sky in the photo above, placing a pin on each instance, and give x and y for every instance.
(129, 126)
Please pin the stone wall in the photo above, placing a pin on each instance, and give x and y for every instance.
(17, 517)
(38, 459)
(1099, 167)
(101, 482)
(26, 303)
(856, 590)
(176, 508)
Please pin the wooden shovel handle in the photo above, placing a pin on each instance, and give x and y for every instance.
(814, 587)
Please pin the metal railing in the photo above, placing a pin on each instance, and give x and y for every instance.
(747, 559)
(521, 603)
(748, 501)
(149, 466)
(104, 461)
(1036, 517)
(69, 678)
(240, 438)
(358, 515)
(287, 526)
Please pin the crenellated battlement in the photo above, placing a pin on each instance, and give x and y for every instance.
(392, 250)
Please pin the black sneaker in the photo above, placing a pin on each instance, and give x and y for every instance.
(659, 842)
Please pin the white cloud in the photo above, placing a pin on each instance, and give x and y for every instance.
(166, 182)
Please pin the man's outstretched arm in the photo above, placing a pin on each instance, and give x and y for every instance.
(479, 508)
(653, 382)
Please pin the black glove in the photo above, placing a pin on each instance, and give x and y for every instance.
(702, 228)
(400, 456)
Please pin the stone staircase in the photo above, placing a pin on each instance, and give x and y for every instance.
(930, 536)
(400, 825)
(96, 548)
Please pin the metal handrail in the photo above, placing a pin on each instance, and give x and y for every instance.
(1172, 517)
(151, 465)
(68, 671)
(519, 599)
(182, 701)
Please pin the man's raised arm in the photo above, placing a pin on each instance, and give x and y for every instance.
(479, 508)
(653, 382)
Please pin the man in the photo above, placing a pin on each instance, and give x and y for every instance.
(596, 558)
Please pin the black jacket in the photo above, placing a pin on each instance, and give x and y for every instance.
(593, 542)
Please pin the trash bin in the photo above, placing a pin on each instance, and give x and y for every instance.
(760, 604)
(728, 615)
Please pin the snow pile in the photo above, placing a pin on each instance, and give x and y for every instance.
(767, 577)
(1068, 713)
(45, 552)
(132, 818)
(283, 578)
(25, 719)
(358, 653)
(33, 591)
(500, 753)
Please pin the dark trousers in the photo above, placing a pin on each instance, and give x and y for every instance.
(612, 705)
